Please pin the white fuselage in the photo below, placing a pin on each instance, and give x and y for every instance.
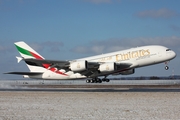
(137, 57)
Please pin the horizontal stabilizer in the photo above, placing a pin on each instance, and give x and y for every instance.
(19, 59)
(25, 73)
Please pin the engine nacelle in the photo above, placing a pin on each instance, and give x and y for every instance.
(107, 67)
(79, 66)
(128, 72)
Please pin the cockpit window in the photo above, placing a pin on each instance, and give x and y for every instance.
(168, 49)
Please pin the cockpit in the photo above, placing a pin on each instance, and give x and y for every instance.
(168, 49)
(170, 53)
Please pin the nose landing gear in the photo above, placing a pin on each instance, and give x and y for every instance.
(166, 67)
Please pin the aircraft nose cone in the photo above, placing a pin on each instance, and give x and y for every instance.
(173, 54)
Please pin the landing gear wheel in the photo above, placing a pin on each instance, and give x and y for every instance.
(87, 81)
(107, 80)
(103, 80)
(92, 81)
(166, 67)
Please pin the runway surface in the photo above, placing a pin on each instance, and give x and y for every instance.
(93, 89)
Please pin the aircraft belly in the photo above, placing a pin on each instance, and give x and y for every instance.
(60, 76)
(54, 75)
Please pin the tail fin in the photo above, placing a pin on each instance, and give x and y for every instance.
(27, 52)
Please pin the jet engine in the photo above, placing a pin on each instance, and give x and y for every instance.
(128, 72)
(107, 67)
(79, 66)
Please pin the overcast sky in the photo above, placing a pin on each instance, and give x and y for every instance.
(70, 29)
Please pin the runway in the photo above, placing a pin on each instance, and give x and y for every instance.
(95, 89)
(81, 86)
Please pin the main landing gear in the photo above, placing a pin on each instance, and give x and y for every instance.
(97, 80)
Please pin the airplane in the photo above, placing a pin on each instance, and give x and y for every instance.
(91, 68)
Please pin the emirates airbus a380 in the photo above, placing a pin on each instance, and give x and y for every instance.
(121, 62)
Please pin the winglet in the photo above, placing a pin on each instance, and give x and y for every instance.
(19, 59)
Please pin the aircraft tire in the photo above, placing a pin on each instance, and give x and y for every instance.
(87, 81)
(103, 80)
(107, 80)
(91, 81)
(166, 67)
(100, 81)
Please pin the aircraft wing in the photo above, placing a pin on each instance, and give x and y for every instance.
(25, 73)
(56, 63)
(53, 63)
(92, 70)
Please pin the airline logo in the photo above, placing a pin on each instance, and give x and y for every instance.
(47, 66)
(29, 53)
(126, 56)
(133, 54)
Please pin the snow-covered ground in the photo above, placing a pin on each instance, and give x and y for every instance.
(52, 105)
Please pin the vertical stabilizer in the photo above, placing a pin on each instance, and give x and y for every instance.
(27, 52)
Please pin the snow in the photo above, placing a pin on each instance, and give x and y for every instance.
(54, 105)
